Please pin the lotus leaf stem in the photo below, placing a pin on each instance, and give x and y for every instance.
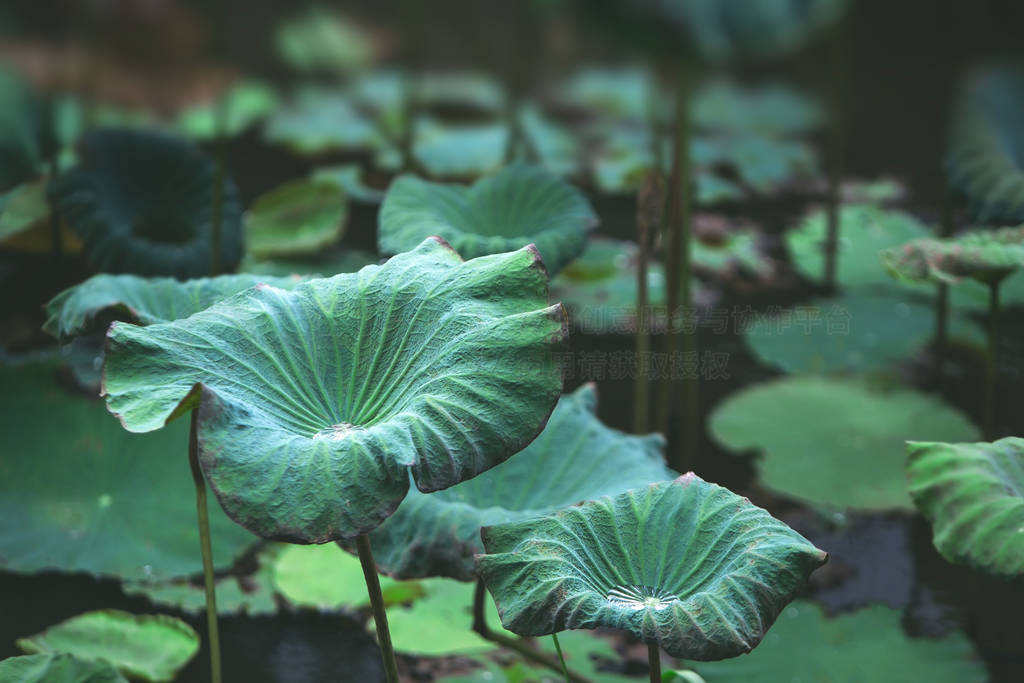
(517, 645)
(942, 294)
(561, 658)
(217, 213)
(992, 362)
(641, 386)
(207, 550)
(836, 147)
(380, 616)
(654, 662)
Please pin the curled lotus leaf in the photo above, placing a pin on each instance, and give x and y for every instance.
(985, 143)
(321, 120)
(142, 202)
(461, 89)
(575, 458)
(685, 564)
(973, 493)
(62, 668)
(300, 217)
(985, 255)
(340, 388)
(148, 647)
(518, 205)
(91, 306)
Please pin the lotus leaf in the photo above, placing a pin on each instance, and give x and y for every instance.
(552, 145)
(383, 93)
(147, 647)
(320, 40)
(575, 458)
(459, 151)
(869, 644)
(520, 204)
(321, 120)
(328, 262)
(300, 217)
(58, 668)
(89, 307)
(470, 90)
(626, 92)
(142, 202)
(22, 207)
(342, 386)
(764, 164)
(770, 109)
(834, 442)
(23, 130)
(351, 179)
(985, 144)
(973, 493)
(102, 500)
(244, 104)
(685, 564)
(986, 255)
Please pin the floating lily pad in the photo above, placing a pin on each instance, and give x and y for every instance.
(22, 207)
(322, 120)
(342, 387)
(351, 179)
(461, 89)
(834, 442)
(864, 230)
(319, 39)
(519, 205)
(242, 105)
(101, 500)
(764, 164)
(58, 668)
(147, 647)
(142, 202)
(459, 151)
(769, 109)
(626, 92)
(575, 458)
(89, 307)
(870, 644)
(973, 493)
(685, 564)
(299, 217)
(983, 156)
(326, 577)
(867, 328)
(985, 255)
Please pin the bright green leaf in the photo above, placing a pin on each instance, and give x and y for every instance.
(318, 39)
(463, 150)
(319, 121)
(243, 105)
(58, 668)
(23, 207)
(299, 217)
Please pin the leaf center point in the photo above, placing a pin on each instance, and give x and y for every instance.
(640, 597)
(336, 432)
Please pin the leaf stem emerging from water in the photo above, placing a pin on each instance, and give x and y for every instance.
(558, 649)
(380, 617)
(207, 550)
(654, 662)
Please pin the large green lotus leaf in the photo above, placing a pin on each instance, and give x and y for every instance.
(867, 645)
(251, 594)
(520, 204)
(142, 202)
(326, 577)
(864, 230)
(459, 151)
(973, 493)
(554, 146)
(771, 109)
(89, 307)
(321, 120)
(316, 403)
(319, 39)
(150, 647)
(300, 217)
(575, 458)
(685, 564)
(627, 92)
(244, 104)
(351, 179)
(866, 328)
(835, 442)
(24, 130)
(462, 89)
(101, 500)
(984, 255)
(58, 668)
(983, 158)
(22, 207)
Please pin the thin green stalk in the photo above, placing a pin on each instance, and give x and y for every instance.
(56, 242)
(561, 658)
(654, 662)
(838, 82)
(206, 549)
(942, 294)
(517, 645)
(217, 214)
(649, 204)
(380, 616)
(993, 360)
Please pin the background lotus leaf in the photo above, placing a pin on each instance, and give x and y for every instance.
(834, 442)
(147, 647)
(341, 386)
(319, 120)
(520, 204)
(62, 668)
(142, 202)
(685, 564)
(300, 217)
(244, 104)
(985, 255)
(101, 500)
(973, 494)
(467, 150)
(318, 39)
(575, 458)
